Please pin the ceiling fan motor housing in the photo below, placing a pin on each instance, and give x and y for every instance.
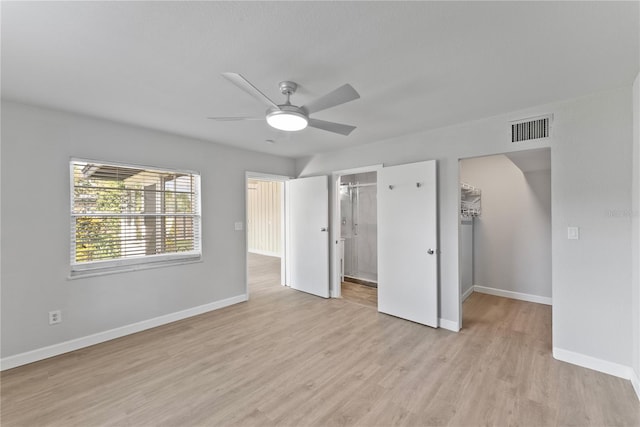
(288, 88)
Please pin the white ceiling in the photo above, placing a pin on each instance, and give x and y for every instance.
(416, 65)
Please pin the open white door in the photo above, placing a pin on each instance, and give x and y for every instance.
(407, 237)
(307, 265)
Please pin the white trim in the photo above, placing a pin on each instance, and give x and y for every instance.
(100, 337)
(360, 278)
(81, 274)
(596, 364)
(635, 382)
(283, 236)
(467, 294)
(513, 295)
(259, 176)
(335, 268)
(449, 325)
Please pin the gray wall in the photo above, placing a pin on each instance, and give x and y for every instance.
(36, 146)
(512, 237)
(591, 182)
(591, 175)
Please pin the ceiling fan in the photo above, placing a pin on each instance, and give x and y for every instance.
(289, 117)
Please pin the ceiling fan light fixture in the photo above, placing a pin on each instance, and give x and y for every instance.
(287, 118)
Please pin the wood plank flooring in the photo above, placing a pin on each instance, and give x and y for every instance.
(360, 294)
(264, 272)
(291, 359)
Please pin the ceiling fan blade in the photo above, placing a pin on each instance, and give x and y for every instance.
(245, 85)
(339, 96)
(331, 126)
(231, 119)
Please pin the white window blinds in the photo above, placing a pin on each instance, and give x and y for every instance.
(123, 215)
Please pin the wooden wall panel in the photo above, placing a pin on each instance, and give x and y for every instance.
(264, 217)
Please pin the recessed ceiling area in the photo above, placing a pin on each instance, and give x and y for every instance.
(416, 65)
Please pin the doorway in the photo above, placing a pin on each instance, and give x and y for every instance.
(505, 226)
(265, 222)
(342, 216)
(359, 238)
(406, 231)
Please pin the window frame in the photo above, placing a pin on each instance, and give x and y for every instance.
(139, 262)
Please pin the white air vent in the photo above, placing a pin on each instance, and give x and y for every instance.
(532, 128)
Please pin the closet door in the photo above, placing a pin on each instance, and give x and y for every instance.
(307, 260)
(407, 238)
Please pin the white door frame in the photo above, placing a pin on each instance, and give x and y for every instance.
(265, 177)
(335, 284)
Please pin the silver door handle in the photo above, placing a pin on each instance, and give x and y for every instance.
(431, 252)
(323, 229)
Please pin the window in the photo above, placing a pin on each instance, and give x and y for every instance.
(125, 216)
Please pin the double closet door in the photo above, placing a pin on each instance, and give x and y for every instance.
(407, 239)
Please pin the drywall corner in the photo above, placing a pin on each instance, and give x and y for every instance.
(449, 325)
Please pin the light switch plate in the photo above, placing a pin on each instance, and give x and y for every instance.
(238, 226)
(573, 233)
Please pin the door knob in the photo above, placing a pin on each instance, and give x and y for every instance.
(323, 229)
(431, 251)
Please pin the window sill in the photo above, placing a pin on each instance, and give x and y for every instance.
(103, 271)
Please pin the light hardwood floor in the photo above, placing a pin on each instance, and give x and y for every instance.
(360, 294)
(289, 358)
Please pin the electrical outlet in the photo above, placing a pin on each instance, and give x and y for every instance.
(55, 317)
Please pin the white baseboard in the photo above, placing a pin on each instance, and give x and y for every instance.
(635, 382)
(449, 325)
(467, 293)
(513, 295)
(596, 364)
(261, 252)
(78, 343)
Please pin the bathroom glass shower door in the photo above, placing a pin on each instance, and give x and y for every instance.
(358, 210)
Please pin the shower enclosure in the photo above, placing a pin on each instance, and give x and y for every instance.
(358, 212)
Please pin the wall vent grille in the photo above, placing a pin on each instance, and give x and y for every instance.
(528, 129)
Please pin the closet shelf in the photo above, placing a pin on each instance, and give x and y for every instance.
(470, 201)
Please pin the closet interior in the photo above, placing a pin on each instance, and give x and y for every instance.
(470, 208)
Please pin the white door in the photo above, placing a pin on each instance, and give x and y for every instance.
(407, 237)
(307, 201)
